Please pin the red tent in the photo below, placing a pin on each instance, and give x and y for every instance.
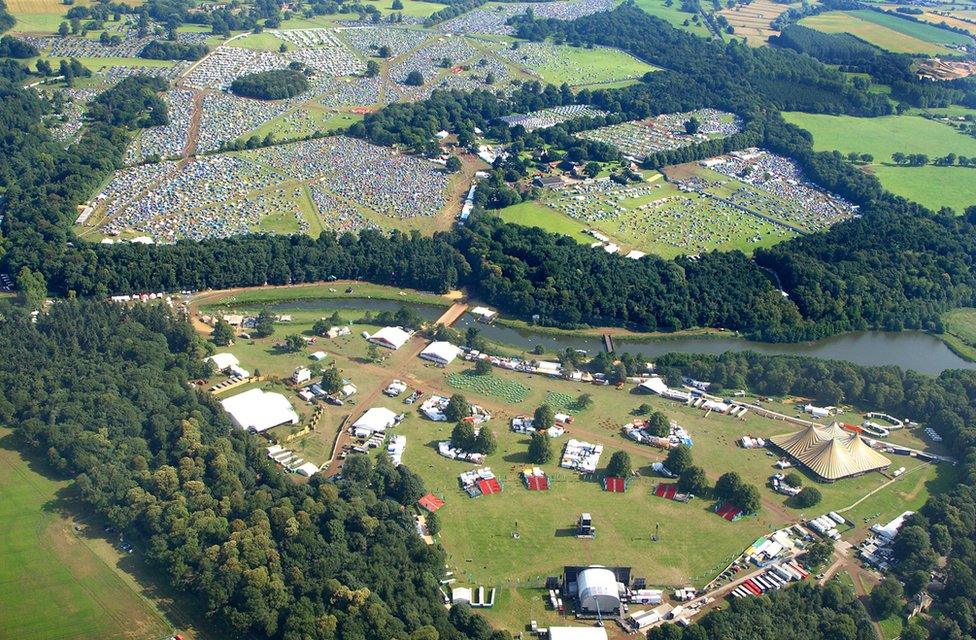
(431, 502)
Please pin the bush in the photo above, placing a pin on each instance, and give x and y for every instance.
(793, 479)
(693, 481)
(482, 367)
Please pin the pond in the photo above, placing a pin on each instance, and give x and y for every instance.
(907, 349)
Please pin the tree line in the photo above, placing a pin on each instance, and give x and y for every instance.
(158, 459)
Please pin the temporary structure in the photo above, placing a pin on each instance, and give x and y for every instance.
(830, 452)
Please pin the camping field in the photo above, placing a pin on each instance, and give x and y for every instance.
(52, 584)
(888, 32)
(930, 185)
(694, 544)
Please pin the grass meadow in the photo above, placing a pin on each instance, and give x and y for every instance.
(579, 66)
(52, 585)
(930, 185)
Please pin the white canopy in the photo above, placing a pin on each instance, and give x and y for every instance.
(259, 410)
(390, 337)
(223, 360)
(375, 420)
(442, 352)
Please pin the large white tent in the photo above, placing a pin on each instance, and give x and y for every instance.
(597, 590)
(223, 361)
(390, 337)
(375, 420)
(259, 410)
(440, 352)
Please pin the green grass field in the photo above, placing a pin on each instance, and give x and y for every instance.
(672, 14)
(883, 136)
(263, 41)
(533, 213)
(578, 66)
(52, 585)
(930, 185)
(960, 332)
(888, 32)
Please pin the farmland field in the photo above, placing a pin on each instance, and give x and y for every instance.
(883, 136)
(888, 32)
(753, 20)
(52, 585)
(930, 185)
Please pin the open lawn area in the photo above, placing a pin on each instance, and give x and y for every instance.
(694, 545)
(960, 332)
(578, 66)
(303, 121)
(930, 185)
(533, 213)
(888, 32)
(674, 15)
(52, 585)
(263, 41)
(883, 136)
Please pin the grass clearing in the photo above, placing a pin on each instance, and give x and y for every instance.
(477, 533)
(931, 186)
(884, 31)
(960, 332)
(674, 15)
(51, 583)
(579, 66)
(263, 41)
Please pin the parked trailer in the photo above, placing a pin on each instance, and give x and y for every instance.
(796, 567)
(785, 572)
(751, 586)
(778, 580)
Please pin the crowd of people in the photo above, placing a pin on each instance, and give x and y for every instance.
(429, 59)
(776, 184)
(128, 46)
(493, 20)
(641, 138)
(545, 118)
(230, 194)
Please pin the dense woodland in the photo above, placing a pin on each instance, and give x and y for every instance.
(270, 85)
(268, 557)
(802, 612)
(166, 50)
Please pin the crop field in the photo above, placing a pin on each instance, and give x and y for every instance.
(52, 585)
(888, 32)
(694, 544)
(753, 20)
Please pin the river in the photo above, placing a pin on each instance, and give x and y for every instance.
(907, 349)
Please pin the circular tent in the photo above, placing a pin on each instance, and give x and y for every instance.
(597, 591)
